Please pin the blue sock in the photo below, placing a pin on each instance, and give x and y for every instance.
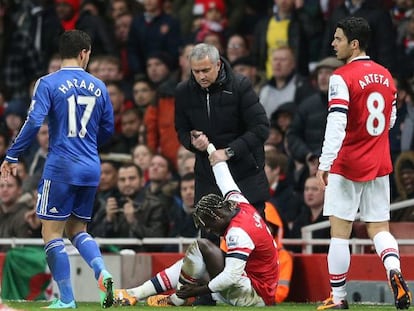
(59, 266)
(89, 251)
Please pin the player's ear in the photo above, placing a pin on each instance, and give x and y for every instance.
(355, 44)
(83, 54)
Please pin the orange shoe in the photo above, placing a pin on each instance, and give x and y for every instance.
(159, 301)
(402, 294)
(329, 304)
(122, 298)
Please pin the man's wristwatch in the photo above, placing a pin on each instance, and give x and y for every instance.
(229, 152)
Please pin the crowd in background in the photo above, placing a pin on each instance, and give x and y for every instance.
(140, 51)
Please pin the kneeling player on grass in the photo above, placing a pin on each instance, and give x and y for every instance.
(246, 275)
(166, 280)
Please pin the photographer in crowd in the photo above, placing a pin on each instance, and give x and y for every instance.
(120, 209)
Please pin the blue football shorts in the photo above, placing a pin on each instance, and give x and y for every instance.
(57, 200)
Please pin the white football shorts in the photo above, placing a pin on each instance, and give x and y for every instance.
(344, 197)
(241, 294)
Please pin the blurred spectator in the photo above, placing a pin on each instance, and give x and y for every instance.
(214, 20)
(283, 116)
(184, 63)
(215, 39)
(4, 100)
(15, 114)
(93, 66)
(282, 194)
(159, 65)
(72, 15)
(246, 67)
(17, 217)
(381, 47)
(150, 218)
(119, 102)
(54, 63)
(313, 13)
(94, 7)
(182, 154)
(307, 130)
(403, 100)
(141, 156)
(122, 25)
(181, 213)
(45, 29)
(276, 138)
(404, 179)
(107, 188)
(144, 93)
(186, 164)
(20, 61)
(286, 85)
(400, 11)
(254, 11)
(405, 48)
(406, 118)
(120, 7)
(109, 68)
(286, 27)
(130, 135)
(183, 11)
(311, 213)
(159, 117)
(237, 47)
(153, 31)
(120, 207)
(161, 136)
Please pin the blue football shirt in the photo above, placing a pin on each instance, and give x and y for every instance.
(80, 117)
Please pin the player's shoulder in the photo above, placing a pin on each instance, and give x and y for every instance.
(49, 77)
(93, 79)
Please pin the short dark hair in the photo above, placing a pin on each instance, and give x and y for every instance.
(112, 163)
(128, 165)
(356, 28)
(188, 177)
(72, 42)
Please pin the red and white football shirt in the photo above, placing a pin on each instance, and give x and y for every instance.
(248, 238)
(365, 91)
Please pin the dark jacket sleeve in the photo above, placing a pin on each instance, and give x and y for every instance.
(254, 117)
(183, 125)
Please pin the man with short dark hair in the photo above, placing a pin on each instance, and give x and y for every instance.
(356, 160)
(80, 117)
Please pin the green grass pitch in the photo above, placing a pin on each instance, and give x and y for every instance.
(92, 306)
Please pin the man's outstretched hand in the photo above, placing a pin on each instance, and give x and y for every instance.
(188, 290)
